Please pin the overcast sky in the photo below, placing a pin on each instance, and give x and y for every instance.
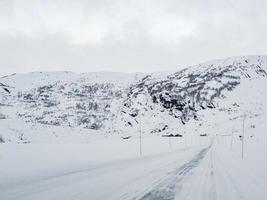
(127, 35)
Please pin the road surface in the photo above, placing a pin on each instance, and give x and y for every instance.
(187, 174)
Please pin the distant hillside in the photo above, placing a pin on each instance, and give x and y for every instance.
(118, 102)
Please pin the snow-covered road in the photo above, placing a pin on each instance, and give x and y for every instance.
(207, 172)
(222, 174)
(138, 178)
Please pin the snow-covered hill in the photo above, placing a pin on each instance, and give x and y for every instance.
(179, 97)
(221, 91)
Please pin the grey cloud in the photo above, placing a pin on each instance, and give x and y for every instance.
(127, 35)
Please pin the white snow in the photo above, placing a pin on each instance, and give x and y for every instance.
(59, 162)
(103, 168)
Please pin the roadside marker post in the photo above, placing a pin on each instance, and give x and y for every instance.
(140, 137)
(243, 137)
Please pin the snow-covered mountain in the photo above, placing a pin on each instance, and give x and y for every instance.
(221, 91)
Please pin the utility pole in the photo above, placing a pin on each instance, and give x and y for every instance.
(232, 139)
(140, 136)
(170, 143)
(243, 137)
(185, 141)
(191, 139)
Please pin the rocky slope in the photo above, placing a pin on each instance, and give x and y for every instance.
(126, 103)
(184, 93)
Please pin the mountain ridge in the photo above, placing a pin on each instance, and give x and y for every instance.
(113, 103)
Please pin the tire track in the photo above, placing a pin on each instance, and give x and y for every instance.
(166, 190)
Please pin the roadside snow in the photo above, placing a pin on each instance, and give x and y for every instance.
(104, 169)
